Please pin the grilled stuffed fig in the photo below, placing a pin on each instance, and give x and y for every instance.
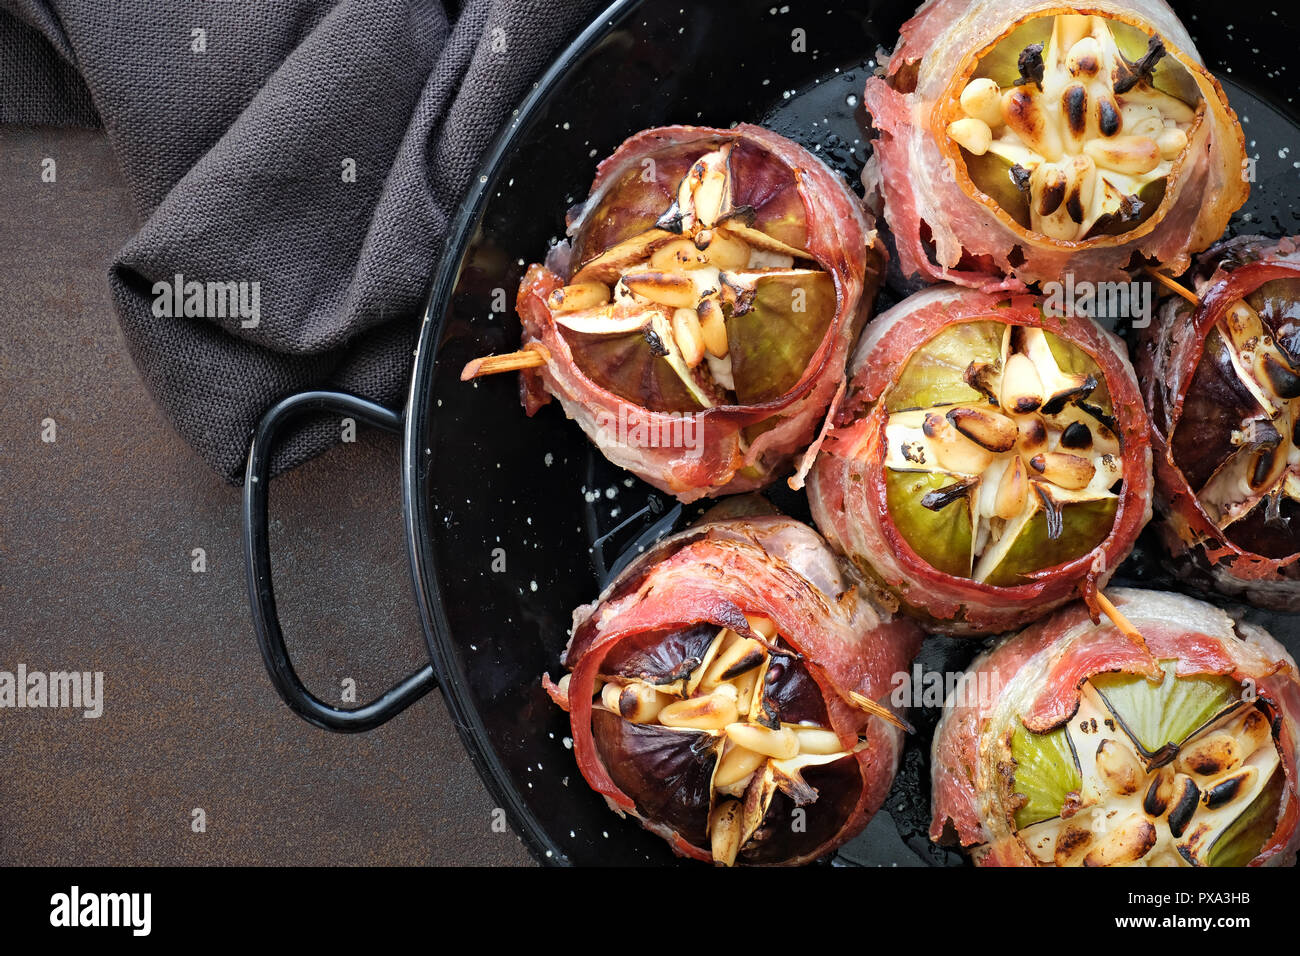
(1092, 749)
(1023, 139)
(697, 323)
(1222, 381)
(987, 464)
(722, 691)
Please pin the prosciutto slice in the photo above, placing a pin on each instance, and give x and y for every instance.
(1036, 677)
(1171, 355)
(832, 642)
(847, 484)
(792, 197)
(947, 229)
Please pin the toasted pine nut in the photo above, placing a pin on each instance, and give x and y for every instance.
(778, 744)
(1074, 110)
(953, 450)
(582, 295)
(1171, 143)
(1254, 731)
(689, 336)
(713, 712)
(609, 695)
(726, 251)
(725, 832)
(678, 254)
(1047, 185)
(1183, 801)
(1013, 489)
(1118, 767)
(1033, 434)
(1127, 843)
(1028, 121)
(1169, 106)
(971, 134)
(1068, 471)
(709, 195)
(637, 702)
(736, 764)
(667, 288)
(1022, 388)
(982, 100)
(818, 740)
(713, 327)
(745, 685)
(1241, 318)
(1075, 193)
(765, 628)
(1213, 754)
(1159, 792)
(1070, 843)
(990, 430)
(742, 653)
(1084, 58)
(1131, 155)
(1223, 791)
(1106, 116)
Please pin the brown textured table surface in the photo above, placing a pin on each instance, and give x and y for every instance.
(97, 534)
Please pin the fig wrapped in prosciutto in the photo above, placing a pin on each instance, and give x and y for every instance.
(1222, 383)
(987, 463)
(723, 691)
(1019, 140)
(1070, 744)
(697, 323)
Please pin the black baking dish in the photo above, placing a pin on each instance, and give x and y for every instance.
(484, 486)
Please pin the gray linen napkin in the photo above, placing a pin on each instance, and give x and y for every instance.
(295, 163)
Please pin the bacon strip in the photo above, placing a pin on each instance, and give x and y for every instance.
(840, 236)
(846, 488)
(770, 566)
(945, 229)
(1168, 358)
(1037, 674)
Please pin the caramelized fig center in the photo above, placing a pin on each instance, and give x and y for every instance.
(712, 300)
(725, 739)
(1073, 124)
(1001, 456)
(1181, 773)
(1236, 439)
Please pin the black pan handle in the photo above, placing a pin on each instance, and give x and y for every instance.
(257, 562)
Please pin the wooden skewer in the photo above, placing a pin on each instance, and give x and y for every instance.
(1173, 286)
(1120, 621)
(878, 710)
(533, 355)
